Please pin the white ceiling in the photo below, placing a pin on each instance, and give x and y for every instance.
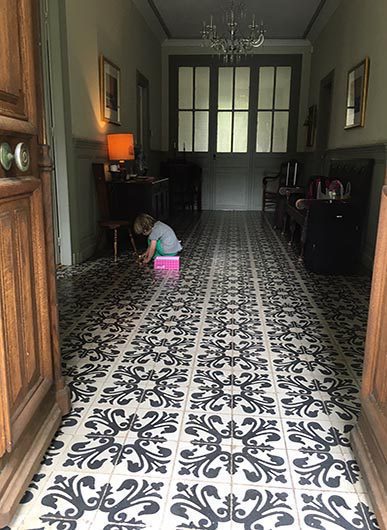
(283, 19)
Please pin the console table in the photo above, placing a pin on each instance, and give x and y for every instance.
(140, 195)
(185, 184)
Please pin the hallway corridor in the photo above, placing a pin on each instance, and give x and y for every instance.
(221, 398)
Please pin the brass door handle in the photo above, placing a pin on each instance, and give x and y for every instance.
(21, 156)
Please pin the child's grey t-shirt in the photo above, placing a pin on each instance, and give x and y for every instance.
(167, 237)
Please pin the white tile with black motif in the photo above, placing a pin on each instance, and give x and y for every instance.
(221, 397)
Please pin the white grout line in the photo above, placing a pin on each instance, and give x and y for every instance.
(319, 313)
(267, 344)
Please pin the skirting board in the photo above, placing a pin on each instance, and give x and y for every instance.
(23, 464)
(373, 477)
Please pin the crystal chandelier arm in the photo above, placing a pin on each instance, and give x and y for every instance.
(232, 44)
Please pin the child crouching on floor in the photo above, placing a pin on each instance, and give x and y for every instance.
(162, 240)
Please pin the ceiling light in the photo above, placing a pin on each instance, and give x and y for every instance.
(233, 44)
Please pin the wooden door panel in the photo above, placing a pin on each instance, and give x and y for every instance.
(9, 312)
(14, 61)
(22, 248)
(33, 395)
(380, 382)
(25, 322)
(369, 439)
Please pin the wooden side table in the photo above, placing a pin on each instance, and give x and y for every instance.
(141, 195)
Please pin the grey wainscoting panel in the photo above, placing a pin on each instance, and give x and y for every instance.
(83, 197)
(231, 182)
(207, 185)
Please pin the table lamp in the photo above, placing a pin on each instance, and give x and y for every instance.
(120, 149)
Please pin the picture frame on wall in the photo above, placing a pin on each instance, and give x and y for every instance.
(110, 91)
(357, 88)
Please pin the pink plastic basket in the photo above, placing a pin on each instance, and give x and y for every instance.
(167, 263)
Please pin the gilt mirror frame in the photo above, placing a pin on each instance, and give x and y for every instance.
(356, 97)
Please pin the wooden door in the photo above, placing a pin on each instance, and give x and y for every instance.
(370, 436)
(33, 396)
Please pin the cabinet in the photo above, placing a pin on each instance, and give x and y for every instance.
(185, 184)
(144, 195)
(370, 436)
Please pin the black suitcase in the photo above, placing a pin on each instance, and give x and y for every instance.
(333, 238)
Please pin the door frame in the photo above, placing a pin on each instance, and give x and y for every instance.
(324, 115)
(369, 438)
(58, 117)
(143, 82)
(255, 160)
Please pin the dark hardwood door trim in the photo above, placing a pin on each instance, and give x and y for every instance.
(369, 439)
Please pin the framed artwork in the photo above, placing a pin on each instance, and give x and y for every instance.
(311, 123)
(110, 91)
(357, 87)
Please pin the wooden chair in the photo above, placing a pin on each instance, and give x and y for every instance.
(272, 182)
(106, 222)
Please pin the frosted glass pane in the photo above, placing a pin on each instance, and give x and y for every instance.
(240, 132)
(202, 87)
(185, 87)
(225, 88)
(242, 85)
(280, 132)
(185, 131)
(266, 87)
(264, 124)
(282, 87)
(201, 132)
(224, 132)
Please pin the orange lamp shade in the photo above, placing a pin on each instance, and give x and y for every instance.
(120, 146)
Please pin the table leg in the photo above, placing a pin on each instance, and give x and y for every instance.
(115, 244)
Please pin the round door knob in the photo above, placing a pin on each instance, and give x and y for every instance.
(22, 156)
(6, 156)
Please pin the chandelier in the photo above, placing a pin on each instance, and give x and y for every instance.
(232, 45)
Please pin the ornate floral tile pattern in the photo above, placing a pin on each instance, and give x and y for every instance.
(219, 398)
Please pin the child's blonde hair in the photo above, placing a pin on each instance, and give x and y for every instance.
(143, 224)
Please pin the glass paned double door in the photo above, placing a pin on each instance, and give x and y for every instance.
(225, 116)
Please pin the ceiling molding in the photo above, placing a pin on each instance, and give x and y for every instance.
(319, 22)
(269, 43)
(160, 19)
(155, 21)
(151, 19)
(314, 18)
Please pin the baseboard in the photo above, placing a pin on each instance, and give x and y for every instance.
(367, 258)
(23, 463)
(85, 253)
(372, 475)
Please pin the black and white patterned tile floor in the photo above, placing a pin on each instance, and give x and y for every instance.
(219, 398)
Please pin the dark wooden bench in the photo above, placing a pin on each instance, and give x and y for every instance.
(356, 171)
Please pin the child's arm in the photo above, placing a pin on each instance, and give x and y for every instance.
(151, 250)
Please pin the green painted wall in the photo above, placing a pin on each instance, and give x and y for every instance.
(118, 31)
(356, 29)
